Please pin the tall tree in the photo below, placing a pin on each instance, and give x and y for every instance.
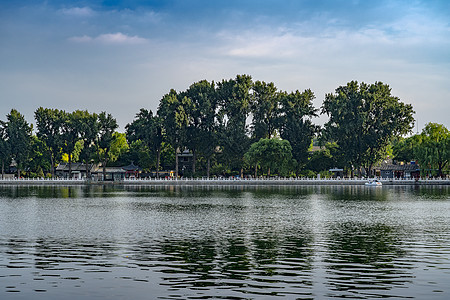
(5, 151)
(38, 160)
(265, 109)
(89, 130)
(234, 108)
(107, 127)
(172, 110)
(147, 128)
(364, 119)
(295, 125)
(49, 124)
(201, 113)
(18, 133)
(71, 131)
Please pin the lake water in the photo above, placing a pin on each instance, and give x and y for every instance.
(308, 242)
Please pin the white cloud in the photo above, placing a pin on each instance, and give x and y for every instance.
(110, 38)
(120, 38)
(80, 39)
(78, 11)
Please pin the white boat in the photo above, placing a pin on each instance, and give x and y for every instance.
(373, 183)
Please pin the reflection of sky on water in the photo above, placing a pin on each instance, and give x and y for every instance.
(242, 242)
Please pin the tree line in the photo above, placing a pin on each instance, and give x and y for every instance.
(234, 126)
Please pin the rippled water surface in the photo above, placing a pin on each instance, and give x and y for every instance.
(311, 242)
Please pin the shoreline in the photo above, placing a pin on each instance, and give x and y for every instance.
(227, 182)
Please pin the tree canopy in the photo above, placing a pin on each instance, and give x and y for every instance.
(232, 126)
(431, 148)
(364, 119)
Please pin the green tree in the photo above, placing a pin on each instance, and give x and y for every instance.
(404, 149)
(234, 108)
(49, 124)
(107, 127)
(201, 112)
(175, 119)
(5, 151)
(18, 133)
(325, 159)
(270, 155)
(265, 109)
(119, 146)
(363, 120)
(71, 134)
(89, 130)
(295, 123)
(433, 150)
(38, 160)
(147, 128)
(137, 153)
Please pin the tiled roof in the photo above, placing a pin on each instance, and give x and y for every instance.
(408, 167)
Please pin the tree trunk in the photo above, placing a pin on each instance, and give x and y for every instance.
(52, 163)
(268, 172)
(242, 172)
(256, 170)
(194, 158)
(18, 171)
(3, 169)
(104, 170)
(208, 167)
(158, 161)
(176, 162)
(70, 165)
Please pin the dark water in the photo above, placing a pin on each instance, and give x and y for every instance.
(230, 242)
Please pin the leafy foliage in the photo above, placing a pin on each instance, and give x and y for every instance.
(364, 118)
(18, 133)
(272, 155)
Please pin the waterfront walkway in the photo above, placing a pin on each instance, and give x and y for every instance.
(227, 181)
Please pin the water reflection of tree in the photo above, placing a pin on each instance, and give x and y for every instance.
(195, 256)
(63, 254)
(259, 265)
(355, 193)
(434, 192)
(364, 259)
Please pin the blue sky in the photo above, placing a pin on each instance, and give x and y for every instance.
(120, 56)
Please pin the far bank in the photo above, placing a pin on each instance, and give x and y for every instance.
(234, 181)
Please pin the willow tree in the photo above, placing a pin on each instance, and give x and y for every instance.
(433, 149)
(364, 118)
(271, 155)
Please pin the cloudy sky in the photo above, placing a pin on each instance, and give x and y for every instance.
(120, 56)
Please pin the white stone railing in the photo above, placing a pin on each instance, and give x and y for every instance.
(291, 180)
(279, 178)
